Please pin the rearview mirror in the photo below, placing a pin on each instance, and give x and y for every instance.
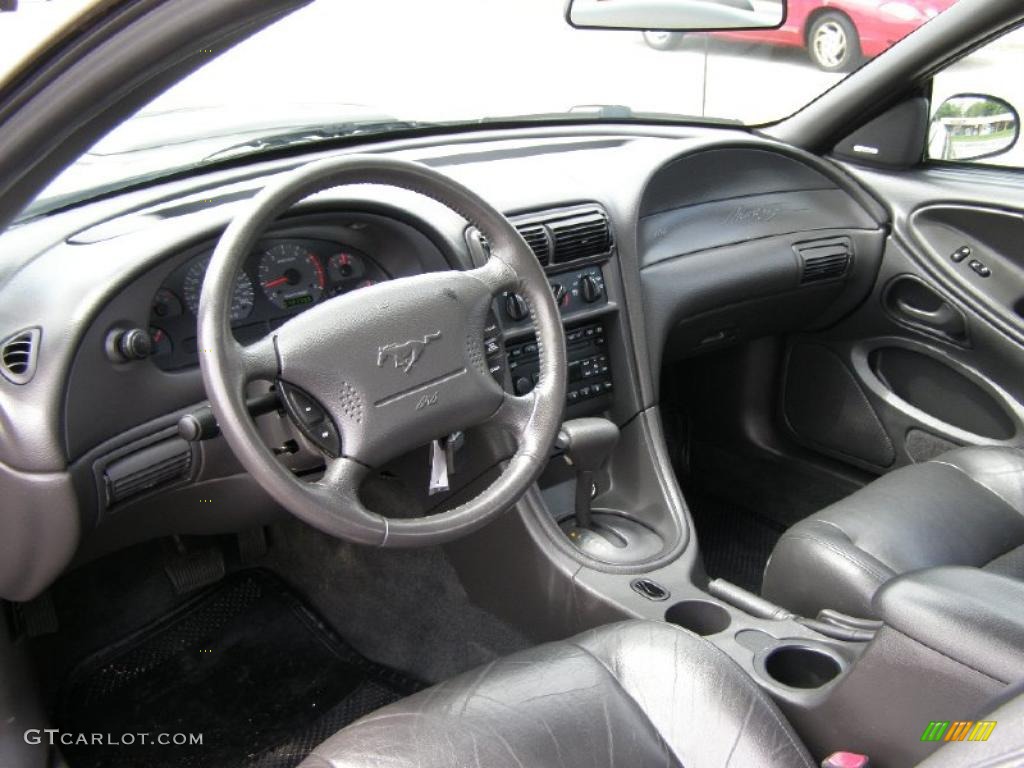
(676, 15)
(970, 126)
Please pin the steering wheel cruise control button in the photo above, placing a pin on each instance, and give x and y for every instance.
(307, 411)
(311, 419)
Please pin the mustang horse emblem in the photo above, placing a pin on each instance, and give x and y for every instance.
(405, 354)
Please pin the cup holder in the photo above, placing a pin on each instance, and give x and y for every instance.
(801, 666)
(702, 617)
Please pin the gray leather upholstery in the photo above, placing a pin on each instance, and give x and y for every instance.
(963, 613)
(633, 694)
(629, 695)
(965, 507)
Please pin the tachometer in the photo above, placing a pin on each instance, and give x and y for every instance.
(291, 276)
(242, 298)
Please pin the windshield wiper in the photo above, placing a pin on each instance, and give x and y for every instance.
(311, 135)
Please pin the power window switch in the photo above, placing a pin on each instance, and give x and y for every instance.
(961, 253)
(980, 269)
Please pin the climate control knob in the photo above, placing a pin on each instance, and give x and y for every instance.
(591, 289)
(516, 307)
(559, 292)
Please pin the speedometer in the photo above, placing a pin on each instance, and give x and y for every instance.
(291, 276)
(242, 297)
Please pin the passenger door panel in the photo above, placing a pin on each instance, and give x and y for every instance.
(935, 358)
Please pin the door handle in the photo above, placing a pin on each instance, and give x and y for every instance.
(945, 318)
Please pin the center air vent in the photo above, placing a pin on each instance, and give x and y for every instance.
(580, 236)
(537, 239)
(18, 354)
(564, 235)
(824, 259)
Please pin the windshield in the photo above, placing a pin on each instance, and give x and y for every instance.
(342, 67)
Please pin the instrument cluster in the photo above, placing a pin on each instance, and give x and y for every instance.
(280, 279)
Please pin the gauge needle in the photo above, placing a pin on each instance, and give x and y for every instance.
(275, 283)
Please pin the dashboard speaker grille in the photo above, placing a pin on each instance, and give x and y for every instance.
(824, 259)
(18, 355)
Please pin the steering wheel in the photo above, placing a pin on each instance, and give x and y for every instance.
(387, 368)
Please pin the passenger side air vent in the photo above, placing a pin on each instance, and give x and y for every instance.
(147, 469)
(824, 259)
(580, 236)
(18, 355)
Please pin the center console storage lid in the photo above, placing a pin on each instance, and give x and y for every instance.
(970, 615)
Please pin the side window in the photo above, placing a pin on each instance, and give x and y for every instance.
(976, 105)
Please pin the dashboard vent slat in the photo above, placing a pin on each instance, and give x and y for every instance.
(147, 469)
(534, 235)
(563, 235)
(824, 259)
(537, 239)
(19, 354)
(581, 236)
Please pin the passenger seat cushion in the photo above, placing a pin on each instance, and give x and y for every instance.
(635, 693)
(965, 507)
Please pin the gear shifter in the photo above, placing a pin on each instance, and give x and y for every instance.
(612, 536)
(587, 444)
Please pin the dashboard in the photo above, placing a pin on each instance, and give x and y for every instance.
(651, 252)
(281, 278)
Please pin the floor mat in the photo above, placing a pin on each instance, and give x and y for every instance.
(245, 664)
(734, 543)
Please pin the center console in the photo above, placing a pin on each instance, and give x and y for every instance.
(576, 248)
(590, 377)
(605, 535)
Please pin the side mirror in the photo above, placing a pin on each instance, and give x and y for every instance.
(676, 15)
(970, 126)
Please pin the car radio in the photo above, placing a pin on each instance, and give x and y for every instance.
(590, 374)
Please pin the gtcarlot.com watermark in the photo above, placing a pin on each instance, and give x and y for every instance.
(56, 737)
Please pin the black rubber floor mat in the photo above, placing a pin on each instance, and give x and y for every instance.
(244, 664)
(735, 544)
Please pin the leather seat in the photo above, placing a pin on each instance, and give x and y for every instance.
(629, 695)
(965, 507)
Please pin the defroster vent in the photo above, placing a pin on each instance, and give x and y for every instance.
(824, 259)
